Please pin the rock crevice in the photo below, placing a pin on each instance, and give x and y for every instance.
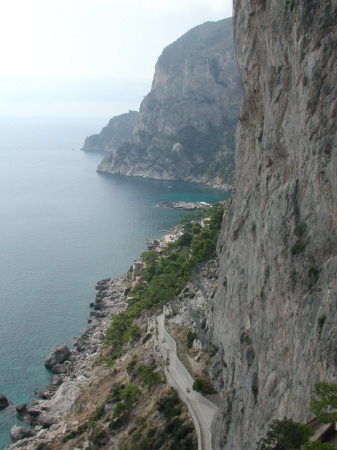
(279, 238)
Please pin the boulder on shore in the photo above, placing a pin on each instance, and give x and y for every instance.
(3, 401)
(57, 355)
(18, 433)
(46, 420)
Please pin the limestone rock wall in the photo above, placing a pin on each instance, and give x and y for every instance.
(186, 124)
(275, 313)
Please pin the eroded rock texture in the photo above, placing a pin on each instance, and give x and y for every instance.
(275, 309)
(186, 124)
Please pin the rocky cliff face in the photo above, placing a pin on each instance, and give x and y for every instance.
(275, 309)
(186, 124)
(117, 132)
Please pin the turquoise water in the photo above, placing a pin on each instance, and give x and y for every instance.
(62, 228)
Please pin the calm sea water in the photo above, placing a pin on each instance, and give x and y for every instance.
(62, 228)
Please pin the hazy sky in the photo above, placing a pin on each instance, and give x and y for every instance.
(88, 58)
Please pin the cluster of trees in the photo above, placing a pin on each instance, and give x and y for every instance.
(286, 434)
(163, 278)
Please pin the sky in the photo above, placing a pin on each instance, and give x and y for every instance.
(88, 58)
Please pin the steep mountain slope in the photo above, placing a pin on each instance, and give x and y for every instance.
(275, 310)
(117, 132)
(186, 124)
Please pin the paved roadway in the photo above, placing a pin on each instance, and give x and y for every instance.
(202, 408)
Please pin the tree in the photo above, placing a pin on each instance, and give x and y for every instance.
(324, 405)
(285, 434)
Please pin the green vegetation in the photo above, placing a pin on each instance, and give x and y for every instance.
(223, 167)
(298, 247)
(266, 274)
(149, 377)
(98, 413)
(178, 433)
(300, 244)
(125, 397)
(146, 338)
(285, 434)
(324, 402)
(166, 277)
(98, 437)
(245, 339)
(300, 229)
(190, 338)
(169, 405)
(198, 384)
(209, 146)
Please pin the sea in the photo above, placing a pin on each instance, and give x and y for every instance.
(63, 227)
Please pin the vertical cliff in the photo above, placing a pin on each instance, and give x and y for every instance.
(186, 124)
(274, 314)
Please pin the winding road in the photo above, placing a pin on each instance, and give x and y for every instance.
(201, 409)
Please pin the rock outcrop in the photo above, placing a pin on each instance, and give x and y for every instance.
(186, 124)
(3, 401)
(117, 132)
(18, 433)
(56, 357)
(275, 313)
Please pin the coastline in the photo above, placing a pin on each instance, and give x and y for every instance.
(217, 185)
(46, 414)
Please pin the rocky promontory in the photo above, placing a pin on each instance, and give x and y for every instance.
(117, 132)
(186, 125)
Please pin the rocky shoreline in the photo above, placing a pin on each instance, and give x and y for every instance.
(72, 371)
(188, 206)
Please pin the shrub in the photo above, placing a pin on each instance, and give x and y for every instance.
(300, 229)
(98, 413)
(245, 339)
(298, 247)
(169, 405)
(146, 338)
(149, 377)
(130, 394)
(120, 409)
(99, 437)
(151, 432)
(266, 274)
(285, 434)
(190, 338)
(198, 384)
